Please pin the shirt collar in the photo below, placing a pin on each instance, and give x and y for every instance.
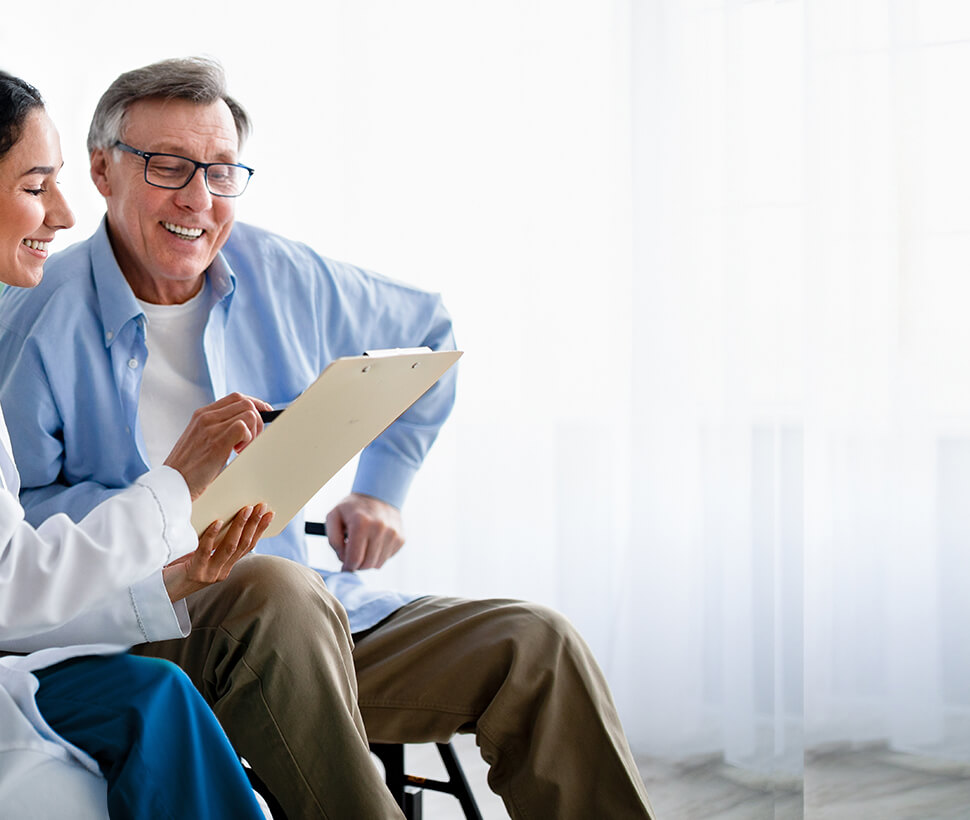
(115, 297)
(222, 279)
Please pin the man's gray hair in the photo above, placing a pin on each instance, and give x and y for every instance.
(197, 79)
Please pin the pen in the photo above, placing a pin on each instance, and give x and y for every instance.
(269, 415)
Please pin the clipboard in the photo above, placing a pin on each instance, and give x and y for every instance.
(350, 404)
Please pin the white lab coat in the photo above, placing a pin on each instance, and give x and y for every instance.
(62, 587)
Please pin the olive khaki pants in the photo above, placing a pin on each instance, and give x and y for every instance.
(272, 653)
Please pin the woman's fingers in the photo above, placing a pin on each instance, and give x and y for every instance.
(264, 521)
(213, 433)
(218, 551)
(244, 532)
(256, 526)
(230, 540)
(207, 540)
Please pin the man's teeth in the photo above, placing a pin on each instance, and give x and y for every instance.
(37, 246)
(179, 230)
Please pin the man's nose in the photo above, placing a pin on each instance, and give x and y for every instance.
(195, 195)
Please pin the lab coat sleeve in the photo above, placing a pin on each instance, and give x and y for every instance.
(61, 570)
(137, 614)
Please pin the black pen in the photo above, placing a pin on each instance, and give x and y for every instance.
(269, 415)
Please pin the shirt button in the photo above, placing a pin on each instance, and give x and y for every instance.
(110, 335)
(133, 363)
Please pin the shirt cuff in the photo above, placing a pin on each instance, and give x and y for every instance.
(171, 495)
(383, 476)
(158, 618)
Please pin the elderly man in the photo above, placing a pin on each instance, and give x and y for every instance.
(169, 304)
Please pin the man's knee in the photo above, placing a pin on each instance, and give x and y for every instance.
(541, 636)
(268, 581)
(270, 575)
(278, 595)
(534, 622)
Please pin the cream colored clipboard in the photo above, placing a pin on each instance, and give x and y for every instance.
(351, 403)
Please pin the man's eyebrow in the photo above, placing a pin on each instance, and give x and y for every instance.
(220, 156)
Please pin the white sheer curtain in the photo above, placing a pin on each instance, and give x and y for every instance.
(889, 414)
(706, 258)
(720, 384)
(801, 464)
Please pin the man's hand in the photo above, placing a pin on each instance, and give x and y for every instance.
(216, 555)
(214, 432)
(364, 531)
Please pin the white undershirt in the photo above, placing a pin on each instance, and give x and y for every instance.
(176, 381)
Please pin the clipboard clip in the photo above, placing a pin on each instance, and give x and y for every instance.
(396, 351)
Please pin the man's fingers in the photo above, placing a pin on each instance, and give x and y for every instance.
(367, 545)
(386, 547)
(383, 544)
(355, 549)
(335, 533)
(371, 528)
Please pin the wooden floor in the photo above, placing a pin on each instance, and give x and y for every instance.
(878, 783)
(840, 784)
(708, 789)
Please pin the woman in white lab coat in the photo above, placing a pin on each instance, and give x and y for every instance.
(137, 723)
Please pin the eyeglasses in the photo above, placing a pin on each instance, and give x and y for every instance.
(173, 171)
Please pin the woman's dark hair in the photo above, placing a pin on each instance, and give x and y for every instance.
(17, 100)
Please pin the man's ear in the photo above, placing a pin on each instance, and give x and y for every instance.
(99, 171)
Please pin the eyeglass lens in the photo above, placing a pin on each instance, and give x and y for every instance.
(174, 172)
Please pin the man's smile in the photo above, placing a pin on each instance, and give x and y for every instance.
(182, 231)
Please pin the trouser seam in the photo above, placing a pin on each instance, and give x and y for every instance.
(423, 706)
(269, 711)
(512, 796)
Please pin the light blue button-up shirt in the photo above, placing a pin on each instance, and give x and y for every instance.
(72, 354)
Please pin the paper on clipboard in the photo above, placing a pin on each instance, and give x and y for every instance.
(352, 402)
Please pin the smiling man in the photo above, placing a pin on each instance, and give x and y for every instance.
(170, 305)
(165, 232)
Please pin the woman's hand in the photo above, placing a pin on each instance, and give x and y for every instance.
(214, 432)
(216, 554)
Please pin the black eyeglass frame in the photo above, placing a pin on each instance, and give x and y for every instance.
(205, 166)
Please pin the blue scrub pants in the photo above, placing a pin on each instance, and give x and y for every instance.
(158, 744)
